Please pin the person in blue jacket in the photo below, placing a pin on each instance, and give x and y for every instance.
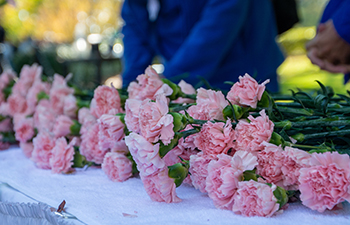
(330, 49)
(218, 40)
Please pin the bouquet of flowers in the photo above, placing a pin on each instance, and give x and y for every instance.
(249, 151)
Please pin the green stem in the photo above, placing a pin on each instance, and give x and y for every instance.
(327, 134)
(296, 111)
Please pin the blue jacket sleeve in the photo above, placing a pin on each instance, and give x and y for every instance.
(210, 39)
(138, 53)
(341, 20)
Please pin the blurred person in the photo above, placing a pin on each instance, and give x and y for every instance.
(330, 49)
(218, 40)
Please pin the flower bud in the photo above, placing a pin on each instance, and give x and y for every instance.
(299, 137)
(227, 112)
(42, 95)
(284, 124)
(281, 196)
(75, 128)
(176, 89)
(276, 139)
(264, 101)
(249, 175)
(179, 172)
(164, 149)
(179, 121)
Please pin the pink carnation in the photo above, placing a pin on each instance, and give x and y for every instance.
(6, 125)
(117, 166)
(160, 187)
(105, 99)
(89, 145)
(24, 129)
(62, 126)
(70, 106)
(59, 91)
(111, 131)
(42, 152)
(270, 161)
(251, 135)
(327, 182)
(199, 170)
(210, 105)
(27, 148)
(187, 89)
(44, 117)
(28, 75)
(145, 154)
(294, 159)
(86, 119)
(5, 78)
(120, 147)
(246, 92)
(155, 122)
(16, 104)
(215, 137)
(255, 199)
(132, 108)
(62, 156)
(146, 86)
(32, 95)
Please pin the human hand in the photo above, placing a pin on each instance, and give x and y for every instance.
(328, 50)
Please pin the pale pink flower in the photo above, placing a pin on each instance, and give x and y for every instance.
(62, 126)
(120, 147)
(32, 95)
(42, 151)
(270, 161)
(5, 78)
(24, 129)
(188, 89)
(86, 119)
(16, 104)
(215, 138)
(27, 148)
(242, 161)
(117, 166)
(132, 108)
(146, 86)
(221, 182)
(105, 99)
(44, 117)
(255, 199)
(210, 105)
(160, 187)
(155, 122)
(89, 145)
(111, 130)
(294, 159)
(70, 106)
(165, 90)
(62, 156)
(59, 91)
(326, 182)
(251, 135)
(27, 76)
(145, 154)
(199, 170)
(246, 92)
(6, 125)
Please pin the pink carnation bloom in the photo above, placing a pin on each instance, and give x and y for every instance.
(89, 145)
(146, 86)
(215, 138)
(326, 182)
(44, 117)
(59, 91)
(199, 170)
(70, 106)
(27, 148)
(210, 105)
(187, 89)
(155, 122)
(42, 151)
(117, 166)
(62, 126)
(132, 108)
(251, 135)
(270, 161)
(32, 95)
(16, 104)
(246, 92)
(145, 154)
(111, 130)
(105, 99)
(6, 125)
(86, 119)
(28, 75)
(255, 199)
(120, 147)
(294, 159)
(160, 187)
(5, 78)
(24, 129)
(62, 156)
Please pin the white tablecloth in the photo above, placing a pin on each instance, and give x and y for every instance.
(94, 199)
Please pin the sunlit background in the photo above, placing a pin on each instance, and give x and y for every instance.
(83, 37)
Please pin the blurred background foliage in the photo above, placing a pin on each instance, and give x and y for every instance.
(83, 37)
